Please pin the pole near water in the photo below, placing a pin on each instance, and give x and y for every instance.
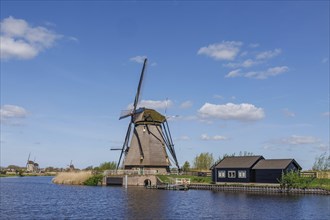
(125, 181)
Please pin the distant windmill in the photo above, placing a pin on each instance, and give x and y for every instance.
(71, 166)
(146, 147)
(31, 166)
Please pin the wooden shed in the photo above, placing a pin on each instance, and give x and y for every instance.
(270, 171)
(235, 169)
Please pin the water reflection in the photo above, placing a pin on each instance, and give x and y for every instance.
(38, 198)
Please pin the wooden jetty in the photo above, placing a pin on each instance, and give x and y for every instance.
(168, 187)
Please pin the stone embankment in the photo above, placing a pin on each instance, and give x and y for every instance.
(258, 189)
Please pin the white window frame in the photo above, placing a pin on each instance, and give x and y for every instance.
(242, 174)
(221, 174)
(231, 174)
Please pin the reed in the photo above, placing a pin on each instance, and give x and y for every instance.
(72, 178)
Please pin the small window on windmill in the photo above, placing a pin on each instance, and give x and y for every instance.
(144, 128)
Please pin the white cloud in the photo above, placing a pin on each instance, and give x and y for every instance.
(246, 64)
(227, 50)
(273, 71)
(234, 73)
(230, 111)
(9, 113)
(138, 59)
(153, 104)
(22, 41)
(205, 137)
(268, 54)
(300, 140)
(186, 104)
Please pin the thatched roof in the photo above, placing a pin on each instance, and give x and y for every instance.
(148, 116)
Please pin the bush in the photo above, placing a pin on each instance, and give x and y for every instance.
(94, 180)
(294, 180)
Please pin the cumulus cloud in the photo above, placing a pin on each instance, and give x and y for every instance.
(226, 50)
(300, 140)
(268, 54)
(138, 59)
(10, 113)
(205, 137)
(22, 41)
(230, 111)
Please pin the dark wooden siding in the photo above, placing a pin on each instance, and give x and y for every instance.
(267, 176)
(272, 175)
(233, 180)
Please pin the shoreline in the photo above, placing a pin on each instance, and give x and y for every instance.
(258, 189)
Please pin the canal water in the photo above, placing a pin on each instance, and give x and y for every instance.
(39, 198)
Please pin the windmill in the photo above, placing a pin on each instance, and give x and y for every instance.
(31, 166)
(148, 138)
(71, 166)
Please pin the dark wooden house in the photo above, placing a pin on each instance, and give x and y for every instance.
(270, 171)
(235, 169)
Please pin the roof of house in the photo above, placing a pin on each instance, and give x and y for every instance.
(238, 162)
(275, 164)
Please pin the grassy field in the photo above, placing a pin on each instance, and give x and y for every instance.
(315, 183)
(320, 183)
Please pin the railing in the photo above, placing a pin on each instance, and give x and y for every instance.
(182, 181)
(129, 172)
(311, 174)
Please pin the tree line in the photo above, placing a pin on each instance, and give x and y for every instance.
(204, 161)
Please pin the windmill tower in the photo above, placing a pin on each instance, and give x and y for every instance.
(148, 139)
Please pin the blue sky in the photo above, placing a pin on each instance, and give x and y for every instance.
(235, 76)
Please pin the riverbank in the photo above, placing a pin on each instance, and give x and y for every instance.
(271, 188)
(28, 174)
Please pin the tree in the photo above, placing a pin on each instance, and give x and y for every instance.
(89, 168)
(203, 161)
(322, 162)
(14, 167)
(108, 166)
(186, 166)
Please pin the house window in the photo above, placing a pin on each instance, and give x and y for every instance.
(231, 174)
(242, 174)
(221, 174)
